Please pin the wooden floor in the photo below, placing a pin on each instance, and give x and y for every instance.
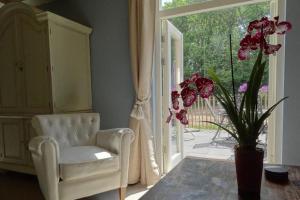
(17, 186)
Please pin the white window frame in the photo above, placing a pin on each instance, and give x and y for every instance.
(197, 8)
(276, 74)
(276, 91)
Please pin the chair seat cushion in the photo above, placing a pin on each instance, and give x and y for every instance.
(83, 161)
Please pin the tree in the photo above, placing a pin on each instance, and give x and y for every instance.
(206, 39)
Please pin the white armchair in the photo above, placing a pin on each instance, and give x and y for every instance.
(74, 159)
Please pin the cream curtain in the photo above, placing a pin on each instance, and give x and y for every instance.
(142, 166)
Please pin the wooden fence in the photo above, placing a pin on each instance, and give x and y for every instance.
(211, 110)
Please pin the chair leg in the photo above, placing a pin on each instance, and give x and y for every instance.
(122, 193)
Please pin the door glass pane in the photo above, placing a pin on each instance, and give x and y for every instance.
(206, 46)
(168, 4)
(175, 126)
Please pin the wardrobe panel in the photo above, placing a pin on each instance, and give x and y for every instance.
(9, 68)
(69, 51)
(36, 66)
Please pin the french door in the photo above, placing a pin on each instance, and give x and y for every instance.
(169, 60)
(172, 56)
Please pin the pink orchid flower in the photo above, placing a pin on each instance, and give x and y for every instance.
(170, 116)
(258, 31)
(205, 87)
(190, 80)
(189, 96)
(181, 116)
(243, 87)
(175, 102)
(264, 89)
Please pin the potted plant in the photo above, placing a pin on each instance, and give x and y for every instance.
(246, 121)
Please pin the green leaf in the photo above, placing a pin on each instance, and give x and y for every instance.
(249, 93)
(255, 89)
(223, 96)
(264, 116)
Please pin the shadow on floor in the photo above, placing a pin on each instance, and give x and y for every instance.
(17, 186)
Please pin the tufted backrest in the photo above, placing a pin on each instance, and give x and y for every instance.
(69, 129)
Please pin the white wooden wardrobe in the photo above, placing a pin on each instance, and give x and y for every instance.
(44, 68)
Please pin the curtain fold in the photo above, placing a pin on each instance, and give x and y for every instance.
(142, 165)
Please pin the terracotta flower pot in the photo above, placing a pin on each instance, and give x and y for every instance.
(249, 166)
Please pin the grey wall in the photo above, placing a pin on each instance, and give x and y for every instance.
(291, 122)
(112, 85)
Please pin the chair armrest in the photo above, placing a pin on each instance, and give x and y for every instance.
(112, 139)
(36, 143)
(45, 155)
(118, 141)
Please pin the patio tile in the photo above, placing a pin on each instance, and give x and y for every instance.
(199, 143)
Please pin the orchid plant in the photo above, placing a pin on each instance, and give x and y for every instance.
(245, 118)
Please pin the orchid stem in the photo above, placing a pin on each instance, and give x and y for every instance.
(232, 74)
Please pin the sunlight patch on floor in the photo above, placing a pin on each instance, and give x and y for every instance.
(134, 192)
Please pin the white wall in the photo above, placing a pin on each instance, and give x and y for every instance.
(291, 119)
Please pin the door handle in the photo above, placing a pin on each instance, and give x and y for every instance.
(19, 65)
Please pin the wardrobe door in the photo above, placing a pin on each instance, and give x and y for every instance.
(10, 74)
(12, 140)
(35, 64)
(71, 75)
